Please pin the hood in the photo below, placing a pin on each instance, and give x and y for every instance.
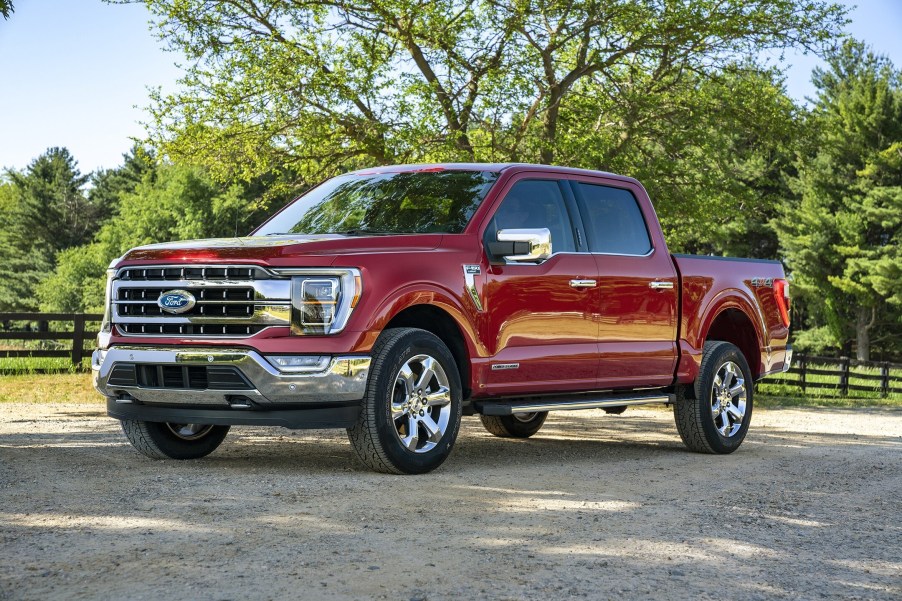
(283, 250)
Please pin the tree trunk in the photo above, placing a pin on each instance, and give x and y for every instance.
(862, 333)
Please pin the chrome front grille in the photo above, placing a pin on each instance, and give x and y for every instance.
(229, 301)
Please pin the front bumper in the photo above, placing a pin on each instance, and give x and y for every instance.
(265, 387)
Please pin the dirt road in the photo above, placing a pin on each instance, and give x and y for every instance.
(595, 507)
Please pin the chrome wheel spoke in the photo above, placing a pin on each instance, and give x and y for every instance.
(406, 377)
(413, 434)
(738, 389)
(427, 375)
(440, 397)
(432, 428)
(398, 410)
(735, 413)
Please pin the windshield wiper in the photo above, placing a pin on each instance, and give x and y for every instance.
(366, 232)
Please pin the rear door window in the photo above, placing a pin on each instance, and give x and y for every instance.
(614, 222)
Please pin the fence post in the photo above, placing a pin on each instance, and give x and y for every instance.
(803, 365)
(844, 376)
(884, 381)
(78, 340)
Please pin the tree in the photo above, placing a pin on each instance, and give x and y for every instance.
(46, 212)
(6, 8)
(842, 237)
(323, 86)
(169, 202)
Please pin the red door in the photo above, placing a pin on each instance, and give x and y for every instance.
(540, 317)
(637, 286)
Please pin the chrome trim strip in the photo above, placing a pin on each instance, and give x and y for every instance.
(596, 404)
(263, 315)
(344, 379)
(119, 271)
(264, 290)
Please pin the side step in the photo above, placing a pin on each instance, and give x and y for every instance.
(569, 404)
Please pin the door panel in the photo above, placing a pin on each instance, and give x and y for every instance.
(540, 328)
(637, 285)
(538, 320)
(637, 324)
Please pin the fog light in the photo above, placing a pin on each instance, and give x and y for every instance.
(299, 363)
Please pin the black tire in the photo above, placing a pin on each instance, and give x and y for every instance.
(519, 425)
(173, 441)
(377, 437)
(705, 420)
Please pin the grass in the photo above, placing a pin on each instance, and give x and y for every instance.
(49, 388)
(37, 365)
(783, 389)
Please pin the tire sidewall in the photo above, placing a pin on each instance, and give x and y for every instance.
(703, 392)
(175, 447)
(381, 390)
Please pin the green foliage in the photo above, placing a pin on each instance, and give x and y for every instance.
(6, 8)
(842, 237)
(46, 212)
(307, 89)
(153, 203)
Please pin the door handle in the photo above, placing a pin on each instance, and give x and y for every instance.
(657, 285)
(583, 283)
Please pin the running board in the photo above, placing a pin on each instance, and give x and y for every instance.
(527, 406)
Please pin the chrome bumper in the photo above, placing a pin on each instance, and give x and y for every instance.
(343, 380)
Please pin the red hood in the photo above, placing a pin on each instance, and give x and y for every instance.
(278, 251)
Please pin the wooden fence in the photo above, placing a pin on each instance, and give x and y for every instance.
(37, 327)
(804, 366)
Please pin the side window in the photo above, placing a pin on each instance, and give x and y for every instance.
(535, 204)
(613, 220)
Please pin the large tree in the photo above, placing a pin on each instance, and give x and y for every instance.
(843, 238)
(320, 86)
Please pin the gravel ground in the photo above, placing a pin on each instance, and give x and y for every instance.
(595, 506)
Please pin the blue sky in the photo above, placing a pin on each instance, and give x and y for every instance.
(76, 72)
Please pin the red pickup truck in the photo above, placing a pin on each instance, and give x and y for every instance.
(393, 301)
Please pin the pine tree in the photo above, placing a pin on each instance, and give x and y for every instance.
(842, 238)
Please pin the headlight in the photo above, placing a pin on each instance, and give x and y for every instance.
(322, 300)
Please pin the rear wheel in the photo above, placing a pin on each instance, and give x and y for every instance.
(159, 440)
(713, 415)
(518, 425)
(411, 412)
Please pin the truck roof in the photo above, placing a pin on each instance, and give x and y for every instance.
(495, 167)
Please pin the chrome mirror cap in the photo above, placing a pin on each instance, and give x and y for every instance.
(538, 239)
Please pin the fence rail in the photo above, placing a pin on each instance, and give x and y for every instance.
(884, 382)
(37, 327)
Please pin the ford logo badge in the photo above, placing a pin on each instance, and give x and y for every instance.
(176, 301)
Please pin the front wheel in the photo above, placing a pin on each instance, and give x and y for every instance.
(713, 416)
(159, 440)
(411, 412)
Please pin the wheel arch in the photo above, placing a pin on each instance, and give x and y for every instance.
(731, 323)
(441, 322)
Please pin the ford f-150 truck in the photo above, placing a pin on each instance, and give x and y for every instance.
(392, 301)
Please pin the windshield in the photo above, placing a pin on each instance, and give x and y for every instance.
(416, 202)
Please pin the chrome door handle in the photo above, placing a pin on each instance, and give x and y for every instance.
(661, 285)
(583, 283)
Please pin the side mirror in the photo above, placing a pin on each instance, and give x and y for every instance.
(522, 244)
